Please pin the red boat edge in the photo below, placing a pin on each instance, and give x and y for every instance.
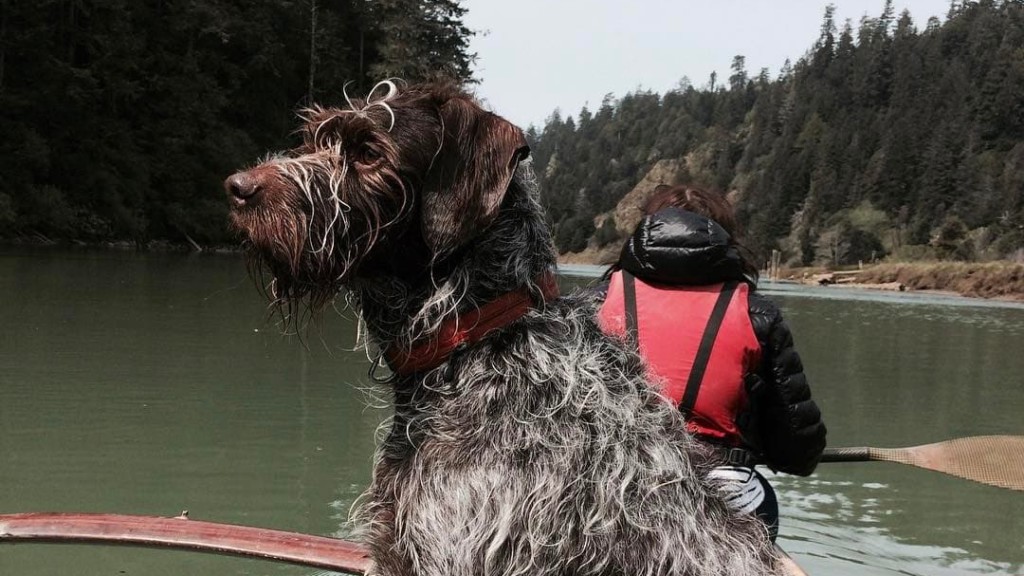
(194, 535)
(184, 534)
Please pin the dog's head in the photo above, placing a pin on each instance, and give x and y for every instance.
(426, 167)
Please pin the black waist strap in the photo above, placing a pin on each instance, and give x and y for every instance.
(736, 456)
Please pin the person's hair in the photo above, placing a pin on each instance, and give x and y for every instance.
(708, 204)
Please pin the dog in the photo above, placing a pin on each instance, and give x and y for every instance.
(524, 440)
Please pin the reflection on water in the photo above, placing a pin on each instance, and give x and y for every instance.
(149, 384)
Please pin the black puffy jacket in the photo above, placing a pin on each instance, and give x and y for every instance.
(678, 247)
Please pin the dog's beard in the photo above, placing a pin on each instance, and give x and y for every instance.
(322, 220)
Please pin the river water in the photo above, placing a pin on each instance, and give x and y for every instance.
(153, 383)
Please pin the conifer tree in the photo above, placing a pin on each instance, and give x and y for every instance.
(881, 119)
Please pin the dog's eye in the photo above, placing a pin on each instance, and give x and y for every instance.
(366, 156)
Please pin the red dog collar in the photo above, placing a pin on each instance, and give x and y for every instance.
(469, 328)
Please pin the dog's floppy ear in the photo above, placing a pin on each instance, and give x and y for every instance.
(477, 157)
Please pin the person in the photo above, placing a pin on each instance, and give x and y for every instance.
(684, 291)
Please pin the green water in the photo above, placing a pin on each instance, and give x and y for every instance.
(149, 384)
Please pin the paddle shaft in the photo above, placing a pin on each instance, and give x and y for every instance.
(853, 454)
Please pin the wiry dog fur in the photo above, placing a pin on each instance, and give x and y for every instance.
(539, 450)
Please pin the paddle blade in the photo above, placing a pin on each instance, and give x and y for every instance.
(993, 460)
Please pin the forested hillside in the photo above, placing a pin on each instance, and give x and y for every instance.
(887, 137)
(120, 118)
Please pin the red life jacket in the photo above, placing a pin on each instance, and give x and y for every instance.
(671, 322)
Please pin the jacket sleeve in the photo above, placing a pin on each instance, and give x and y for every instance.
(789, 423)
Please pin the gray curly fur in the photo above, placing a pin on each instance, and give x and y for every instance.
(544, 450)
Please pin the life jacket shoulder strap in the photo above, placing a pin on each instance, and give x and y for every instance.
(629, 299)
(707, 342)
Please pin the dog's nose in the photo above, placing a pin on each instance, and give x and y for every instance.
(242, 187)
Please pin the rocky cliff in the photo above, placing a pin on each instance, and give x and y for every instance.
(626, 214)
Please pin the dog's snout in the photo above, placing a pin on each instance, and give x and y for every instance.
(242, 187)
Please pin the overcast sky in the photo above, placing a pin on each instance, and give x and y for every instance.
(538, 55)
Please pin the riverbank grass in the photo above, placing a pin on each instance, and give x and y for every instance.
(978, 279)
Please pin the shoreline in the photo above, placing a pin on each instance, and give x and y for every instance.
(996, 281)
(1000, 281)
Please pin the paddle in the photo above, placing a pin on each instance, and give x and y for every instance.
(181, 533)
(993, 460)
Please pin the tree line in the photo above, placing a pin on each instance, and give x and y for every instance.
(120, 118)
(886, 137)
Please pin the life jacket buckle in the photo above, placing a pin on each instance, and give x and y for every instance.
(740, 457)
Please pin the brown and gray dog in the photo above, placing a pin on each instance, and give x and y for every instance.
(524, 440)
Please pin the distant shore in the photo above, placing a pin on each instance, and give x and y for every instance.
(1001, 280)
(993, 280)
